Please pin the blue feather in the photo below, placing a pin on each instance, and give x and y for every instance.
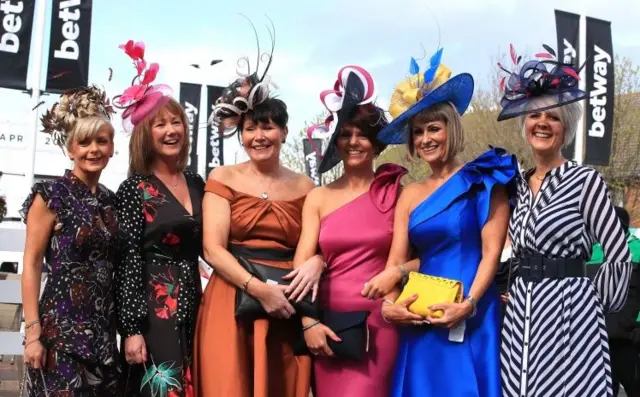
(414, 68)
(434, 63)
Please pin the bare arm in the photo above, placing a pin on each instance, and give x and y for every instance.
(40, 222)
(308, 265)
(494, 233)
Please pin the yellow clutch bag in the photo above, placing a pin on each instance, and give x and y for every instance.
(431, 290)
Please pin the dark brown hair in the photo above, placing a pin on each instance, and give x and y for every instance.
(141, 152)
(370, 120)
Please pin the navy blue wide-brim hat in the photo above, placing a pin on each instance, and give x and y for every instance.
(457, 90)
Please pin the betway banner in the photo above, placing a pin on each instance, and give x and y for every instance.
(215, 140)
(311, 148)
(16, 21)
(568, 47)
(600, 86)
(69, 46)
(190, 101)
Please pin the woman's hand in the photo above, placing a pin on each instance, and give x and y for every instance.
(135, 349)
(273, 300)
(382, 283)
(454, 313)
(306, 278)
(35, 354)
(316, 339)
(505, 298)
(398, 313)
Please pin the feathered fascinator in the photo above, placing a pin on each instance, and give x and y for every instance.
(73, 105)
(141, 98)
(354, 87)
(424, 89)
(541, 77)
(251, 88)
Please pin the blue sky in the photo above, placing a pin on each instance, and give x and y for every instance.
(316, 38)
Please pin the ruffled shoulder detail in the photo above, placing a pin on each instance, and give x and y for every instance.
(385, 188)
(50, 193)
(492, 168)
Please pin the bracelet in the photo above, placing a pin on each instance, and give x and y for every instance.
(245, 285)
(474, 304)
(31, 324)
(25, 343)
(313, 324)
(387, 301)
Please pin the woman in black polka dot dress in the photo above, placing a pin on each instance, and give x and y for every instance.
(158, 284)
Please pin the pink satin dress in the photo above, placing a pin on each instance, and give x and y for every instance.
(355, 240)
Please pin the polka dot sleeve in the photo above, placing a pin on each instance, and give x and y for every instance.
(130, 303)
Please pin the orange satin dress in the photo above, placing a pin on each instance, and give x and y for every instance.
(233, 359)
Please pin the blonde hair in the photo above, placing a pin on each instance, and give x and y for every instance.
(141, 154)
(79, 115)
(568, 114)
(444, 112)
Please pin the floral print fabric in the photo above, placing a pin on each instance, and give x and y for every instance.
(77, 309)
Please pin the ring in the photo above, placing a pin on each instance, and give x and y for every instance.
(314, 353)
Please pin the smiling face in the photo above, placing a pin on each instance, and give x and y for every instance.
(91, 151)
(264, 129)
(167, 133)
(262, 141)
(430, 141)
(355, 148)
(436, 134)
(544, 131)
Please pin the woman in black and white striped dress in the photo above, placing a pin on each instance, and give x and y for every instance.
(554, 340)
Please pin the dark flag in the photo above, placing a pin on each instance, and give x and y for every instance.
(190, 101)
(215, 140)
(311, 160)
(600, 86)
(16, 22)
(69, 46)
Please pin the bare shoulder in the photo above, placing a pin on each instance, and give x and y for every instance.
(300, 183)
(409, 196)
(226, 174)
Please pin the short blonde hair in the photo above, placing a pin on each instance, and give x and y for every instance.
(444, 112)
(569, 116)
(87, 128)
(141, 154)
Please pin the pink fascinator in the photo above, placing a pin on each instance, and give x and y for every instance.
(142, 98)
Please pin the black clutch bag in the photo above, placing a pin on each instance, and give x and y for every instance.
(350, 327)
(249, 308)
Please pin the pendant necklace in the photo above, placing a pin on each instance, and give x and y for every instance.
(264, 195)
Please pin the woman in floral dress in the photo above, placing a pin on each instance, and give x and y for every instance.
(70, 338)
(158, 283)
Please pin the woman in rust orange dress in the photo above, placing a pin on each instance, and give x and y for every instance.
(251, 210)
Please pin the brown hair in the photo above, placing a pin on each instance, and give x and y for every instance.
(446, 113)
(141, 152)
(370, 120)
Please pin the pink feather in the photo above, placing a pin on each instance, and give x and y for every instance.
(571, 72)
(512, 51)
(502, 81)
(544, 55)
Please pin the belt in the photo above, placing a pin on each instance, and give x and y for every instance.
(261, 253)
(535, 268)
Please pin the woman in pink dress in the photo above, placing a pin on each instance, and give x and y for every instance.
(351, 221)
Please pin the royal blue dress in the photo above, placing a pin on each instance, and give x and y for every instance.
(445, 229)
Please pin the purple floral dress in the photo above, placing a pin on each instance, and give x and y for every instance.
(77, 306)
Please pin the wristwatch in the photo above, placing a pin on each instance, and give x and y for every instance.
(474, 304)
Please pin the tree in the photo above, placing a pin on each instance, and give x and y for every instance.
(3, 207)
(293, 153)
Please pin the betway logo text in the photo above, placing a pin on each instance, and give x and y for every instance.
(69, 48)
(598, 94)
(192, 117)
(12, 23)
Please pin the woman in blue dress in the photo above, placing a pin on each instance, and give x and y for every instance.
(455, 222)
